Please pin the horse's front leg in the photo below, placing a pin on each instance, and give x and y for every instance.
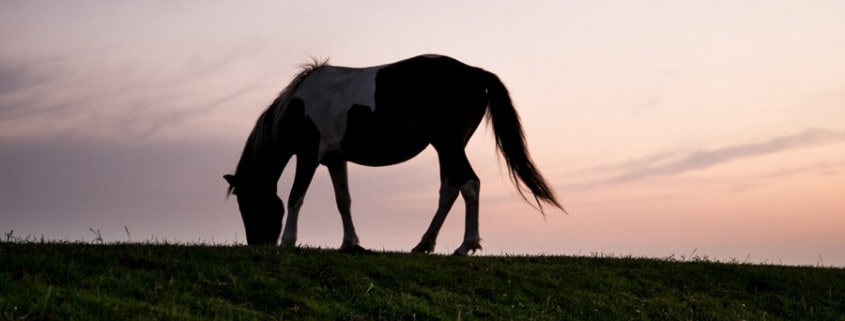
(340, 182)
(304, 173)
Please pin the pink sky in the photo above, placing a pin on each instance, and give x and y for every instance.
(714, 128)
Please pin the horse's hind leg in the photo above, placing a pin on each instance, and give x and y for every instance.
(472, 240)
(461, 172)
(448, 194)
(456, 176)
(340, 182)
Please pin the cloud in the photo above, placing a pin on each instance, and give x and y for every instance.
(84, 96)
(820, 168)
(632, 163)
(14, 78)
(666, 164)
(647, 104)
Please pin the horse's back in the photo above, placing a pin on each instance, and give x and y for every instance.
(387, 114)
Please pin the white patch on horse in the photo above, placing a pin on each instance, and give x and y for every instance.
(328, 93)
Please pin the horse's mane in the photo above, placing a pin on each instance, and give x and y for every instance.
(263, 138)
(266, 128)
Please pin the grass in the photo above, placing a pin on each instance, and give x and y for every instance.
(71, 281)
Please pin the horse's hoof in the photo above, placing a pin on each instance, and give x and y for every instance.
(467, 248)
(423, 248)
(355, 249)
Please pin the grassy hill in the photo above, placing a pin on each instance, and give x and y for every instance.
(53, 281)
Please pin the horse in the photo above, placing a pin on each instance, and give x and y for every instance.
(378, 116)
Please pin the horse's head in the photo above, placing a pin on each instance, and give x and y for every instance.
(261, 210)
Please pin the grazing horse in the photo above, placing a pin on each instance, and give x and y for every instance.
(378, 116)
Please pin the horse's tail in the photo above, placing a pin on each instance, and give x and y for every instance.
(510, 141)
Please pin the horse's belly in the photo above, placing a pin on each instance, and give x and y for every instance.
(381, 149)
(376, 139)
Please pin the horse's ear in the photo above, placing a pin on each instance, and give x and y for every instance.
(232, 180)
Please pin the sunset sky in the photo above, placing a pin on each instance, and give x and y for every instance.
(685, 128)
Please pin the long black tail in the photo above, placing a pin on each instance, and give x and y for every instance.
(510, 141)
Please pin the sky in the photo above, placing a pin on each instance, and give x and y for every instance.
(678, 129)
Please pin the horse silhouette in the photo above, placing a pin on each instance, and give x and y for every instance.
(378, 116)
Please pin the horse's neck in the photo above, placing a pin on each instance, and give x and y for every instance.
(263, 168)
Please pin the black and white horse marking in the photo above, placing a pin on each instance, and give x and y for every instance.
(378, 116)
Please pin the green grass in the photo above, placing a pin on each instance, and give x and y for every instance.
(66, 281)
